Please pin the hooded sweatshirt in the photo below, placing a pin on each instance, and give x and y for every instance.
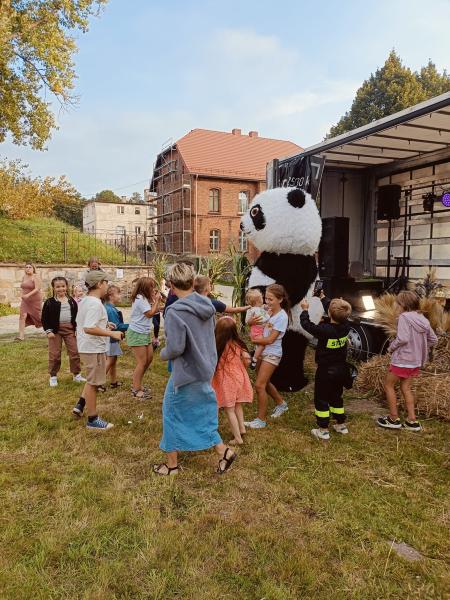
(414, 339)
(190, 341)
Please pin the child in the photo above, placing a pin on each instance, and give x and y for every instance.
(255, 299)
(92, 336)
(274, 330)
(145, 303)
(409, 352)
(78, 293)
(332, 370)
(59, 321)
(114, 317)
(231, 381)
(202, 285)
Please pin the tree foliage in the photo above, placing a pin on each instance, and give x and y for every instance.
(107, 196)
(392, 88)
(36, 50)
(136, 197)
(22, 196)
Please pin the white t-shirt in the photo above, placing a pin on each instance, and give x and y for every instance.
(138, 321)
(257, 311)
(91, 313)
(279, 322)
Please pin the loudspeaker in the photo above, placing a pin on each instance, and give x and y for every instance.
(388, 205)
(333, 247)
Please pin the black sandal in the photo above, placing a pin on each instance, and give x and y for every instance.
(170, 470)
(116, 384)
(228, 461)
(101, 388)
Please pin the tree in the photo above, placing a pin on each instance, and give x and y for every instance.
(392, 88)
(107, 196)
(36, 49)
(70, 210)
(136, 198)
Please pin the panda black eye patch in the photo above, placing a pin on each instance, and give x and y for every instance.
(296, 198)
(258, 218)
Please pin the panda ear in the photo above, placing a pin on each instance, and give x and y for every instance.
(296, 198)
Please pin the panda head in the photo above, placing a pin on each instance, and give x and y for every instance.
(284, 221)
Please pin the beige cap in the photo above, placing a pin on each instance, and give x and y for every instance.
(94, 277)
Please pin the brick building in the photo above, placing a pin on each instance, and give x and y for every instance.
(204, 182)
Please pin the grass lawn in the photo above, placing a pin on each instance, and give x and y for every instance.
(82, 517)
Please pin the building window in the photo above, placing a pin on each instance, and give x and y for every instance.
(243, 202)
(243, 243)
(121, 210)
(137, 210)
(120, 230)
(214, 240)
(214, 200)
(137, 229)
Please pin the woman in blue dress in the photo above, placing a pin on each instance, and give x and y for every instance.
(190, 416)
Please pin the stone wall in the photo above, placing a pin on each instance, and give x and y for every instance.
(11, 277)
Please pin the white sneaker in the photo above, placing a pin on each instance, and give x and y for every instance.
(255, 424)
(79, 378)
(53, 381)
(340, 428)
(321, 434)
(279, 410)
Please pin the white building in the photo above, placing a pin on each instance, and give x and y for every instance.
(108, 219)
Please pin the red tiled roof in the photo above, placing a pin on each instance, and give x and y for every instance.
(217, 153)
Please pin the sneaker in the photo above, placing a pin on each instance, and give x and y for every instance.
(253, 364)
(53, 381)
(321, 434)
(340, 428)
(99, 425)
(78, 409)
(79, 378)
(388, 423)
(255, 424)
(279, 410)
(412, 426)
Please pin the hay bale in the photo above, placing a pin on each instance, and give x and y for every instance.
(431, 388)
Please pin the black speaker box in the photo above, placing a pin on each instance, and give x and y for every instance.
(388, 205)
(333, 247)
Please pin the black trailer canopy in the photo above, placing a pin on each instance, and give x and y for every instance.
(410, 133)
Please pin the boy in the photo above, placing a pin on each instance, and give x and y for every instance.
(202, 286)
(331, 358)
(92, 339)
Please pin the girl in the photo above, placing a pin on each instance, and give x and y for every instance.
(278, 305)
(78, 293)
(145, 303)
(59, 321)
(254, 298)
(409, 351)
(189, 406)
(116, 319)
(231, 381)
(31, 303)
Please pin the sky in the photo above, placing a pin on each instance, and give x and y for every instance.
(150, 71)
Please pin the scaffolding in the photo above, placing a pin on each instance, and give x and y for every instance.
(173, 198)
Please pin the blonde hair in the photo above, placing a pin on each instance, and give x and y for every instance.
(201, 282)
(182, 276)
(252, 296)
(111, 288)
(339, 310)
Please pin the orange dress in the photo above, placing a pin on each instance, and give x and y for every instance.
(231, 381)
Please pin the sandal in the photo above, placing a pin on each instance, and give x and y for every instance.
(116, 384)
(228, 461)
(101, 388)
(142, 394)
(164, 470)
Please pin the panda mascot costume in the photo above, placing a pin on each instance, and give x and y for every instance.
(285, 226)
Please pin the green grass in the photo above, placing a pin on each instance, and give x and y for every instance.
(83, 518)
(42, 240)
(6, 309)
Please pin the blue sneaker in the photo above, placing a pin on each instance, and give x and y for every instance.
(99, 425)
(255, 424)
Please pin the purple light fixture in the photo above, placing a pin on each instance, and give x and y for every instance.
(446, 199)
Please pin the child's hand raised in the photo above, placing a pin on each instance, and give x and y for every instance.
(304, 304)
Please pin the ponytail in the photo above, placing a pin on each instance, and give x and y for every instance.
(280, 293)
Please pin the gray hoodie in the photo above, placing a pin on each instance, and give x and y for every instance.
(190, 341)
(413, 342)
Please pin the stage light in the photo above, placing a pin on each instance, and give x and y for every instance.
(368, 303)
(446, 199)
(428, 202)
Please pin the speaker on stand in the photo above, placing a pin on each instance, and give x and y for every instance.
(333, 255)
(388, 208)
